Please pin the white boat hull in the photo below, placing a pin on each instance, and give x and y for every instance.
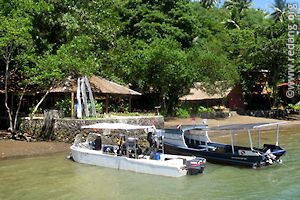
(173, 166)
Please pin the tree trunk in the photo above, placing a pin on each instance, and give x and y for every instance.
(39, 103)
(172, 103)
(48, 124)
(12, 122)
(18, 109)
(11, 129)
(274, 77)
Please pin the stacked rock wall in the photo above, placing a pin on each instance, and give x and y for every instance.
(65, 129)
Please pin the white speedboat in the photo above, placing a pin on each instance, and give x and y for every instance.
(126, 154)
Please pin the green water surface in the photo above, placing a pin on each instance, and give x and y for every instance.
(55, 177)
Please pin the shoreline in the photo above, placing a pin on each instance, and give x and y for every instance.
(15, 149)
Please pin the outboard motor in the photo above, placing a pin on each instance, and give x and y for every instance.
(98, 143)
(150, 139)
(272, 153)
(132, 148)
(195, 166)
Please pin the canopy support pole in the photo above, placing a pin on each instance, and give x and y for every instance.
(250, 139)
(234, 137)
(231, 138)
(206, 139)
(259, 138)
(277, 134)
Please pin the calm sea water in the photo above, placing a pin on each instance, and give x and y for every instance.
(55, 177)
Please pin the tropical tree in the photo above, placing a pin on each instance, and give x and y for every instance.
(239, 5)
(158, 69)
(280, 8)
(15, 51)
(145, 20)
(237, 9)
(212, 65)
(159, 47)
(209, 3)
(75, 37)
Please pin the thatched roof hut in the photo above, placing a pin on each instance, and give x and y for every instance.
(99, 87)
(198, 93)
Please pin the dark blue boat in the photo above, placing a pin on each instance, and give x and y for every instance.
(194, 140)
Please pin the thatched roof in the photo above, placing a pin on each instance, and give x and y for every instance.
(98, 85)
(196, 93)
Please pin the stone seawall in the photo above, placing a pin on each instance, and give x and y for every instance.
(65, 129)
(274, 114)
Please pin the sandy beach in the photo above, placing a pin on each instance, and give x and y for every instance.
(19, 149)
(238, 119)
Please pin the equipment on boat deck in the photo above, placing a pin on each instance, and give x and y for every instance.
(125, 153)
(132, 148)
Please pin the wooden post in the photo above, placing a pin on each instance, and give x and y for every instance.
(106, 103)
(129, 103)
(72, 104)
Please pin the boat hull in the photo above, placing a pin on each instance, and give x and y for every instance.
(224, 158)
(171, 168)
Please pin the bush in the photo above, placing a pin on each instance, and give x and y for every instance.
(98, 107)
(64, 105)
(182, 112)
(131, 114)
(294, 107)
(32, 107)
(118, 105)
(202, 109)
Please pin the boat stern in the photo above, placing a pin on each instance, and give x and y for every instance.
(272, 153)
(195, 166)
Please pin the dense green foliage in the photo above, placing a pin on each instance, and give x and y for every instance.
(160, 47)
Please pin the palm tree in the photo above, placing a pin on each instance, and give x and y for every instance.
(209, 3)
(233, 22)
(237, 8)
(240, 5)
(280, 9)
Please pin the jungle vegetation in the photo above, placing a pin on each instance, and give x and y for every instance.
(159, 47)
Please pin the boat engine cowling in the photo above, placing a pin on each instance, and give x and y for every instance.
(195, 166)
(97, 143)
